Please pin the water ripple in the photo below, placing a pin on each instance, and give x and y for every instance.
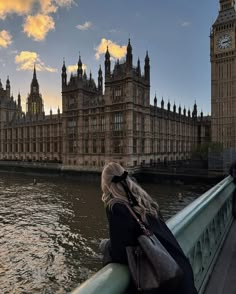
(50, 232)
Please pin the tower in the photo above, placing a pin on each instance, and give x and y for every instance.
(223, 75)
(107, 65)
(63, 75)
(8, 88)
(129, 57)
(34, 100)
(80, 70)
(147, 68)
(100, 80)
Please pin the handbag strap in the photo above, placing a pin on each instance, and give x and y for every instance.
(140, 223)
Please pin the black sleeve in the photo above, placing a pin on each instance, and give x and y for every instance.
(123, 231)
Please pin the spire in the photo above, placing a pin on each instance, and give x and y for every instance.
(19, 100)
(63, 74)
(107, 55)
(179, 109)
(8, 88)
(162, 103)
(174, 107)
(194, 113)
(100, 80)
(168, 105)
(0, 84)
(80, 70)
(8, 82)
(107, 64)
(64, 66)
(138, 68)
(34, 83)
(129, 57)
(155, 100)
(34, 75)
(147, 67)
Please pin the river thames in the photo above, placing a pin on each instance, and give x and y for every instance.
(50, 232)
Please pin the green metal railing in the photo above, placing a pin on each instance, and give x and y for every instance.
(200, 229)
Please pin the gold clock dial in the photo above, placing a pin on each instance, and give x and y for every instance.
(224, 41)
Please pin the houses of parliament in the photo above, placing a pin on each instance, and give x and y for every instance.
(99, 122)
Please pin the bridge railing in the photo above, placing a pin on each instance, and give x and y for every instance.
(200, 229)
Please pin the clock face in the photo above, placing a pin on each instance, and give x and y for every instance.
(224, 41)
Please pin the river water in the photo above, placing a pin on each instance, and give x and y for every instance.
(50, 232)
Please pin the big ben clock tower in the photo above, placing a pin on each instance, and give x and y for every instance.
(223, 75)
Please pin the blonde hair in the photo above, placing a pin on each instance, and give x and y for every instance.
(146, 205)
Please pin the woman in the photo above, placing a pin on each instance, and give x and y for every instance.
(124, 230)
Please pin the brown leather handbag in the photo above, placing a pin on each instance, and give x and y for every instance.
(150, 264)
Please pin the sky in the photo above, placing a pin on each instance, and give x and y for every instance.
(43, 32)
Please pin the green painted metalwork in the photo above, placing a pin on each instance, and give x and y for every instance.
(113, 278)
(200, 228)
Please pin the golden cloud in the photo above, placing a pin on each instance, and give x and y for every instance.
(37, 26)
(73, 68)
(5, 39)
(27, 59)
(115, 50)
(15, 6)
(47, 6)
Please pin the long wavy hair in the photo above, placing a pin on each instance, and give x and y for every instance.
(146, 205)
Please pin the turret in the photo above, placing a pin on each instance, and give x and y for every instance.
(168, 105)
(138, 68)
(63, 75)
(155, 101)
(80, 70)
(179, 109)
(19, 101)
(100, 80)
(129, 57)
(162, 103)
(194, 113)
(107, 65)
(147, 68)
(174, 108)
(8, 87)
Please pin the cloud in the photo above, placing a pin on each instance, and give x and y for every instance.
(37, 26)
(73, 68)
(84, 27)
(39, 20)
(47, 6)
(114, 31)
(185, 24)
(15, 6)
(5, 39)
(115, 50)
(26, 60)
(65, 3)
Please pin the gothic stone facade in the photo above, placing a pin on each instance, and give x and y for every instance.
(32, 136)
(99, 125)
(121, 124)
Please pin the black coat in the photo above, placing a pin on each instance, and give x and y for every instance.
(124, 231)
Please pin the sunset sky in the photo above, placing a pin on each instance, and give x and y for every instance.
(175, 33)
